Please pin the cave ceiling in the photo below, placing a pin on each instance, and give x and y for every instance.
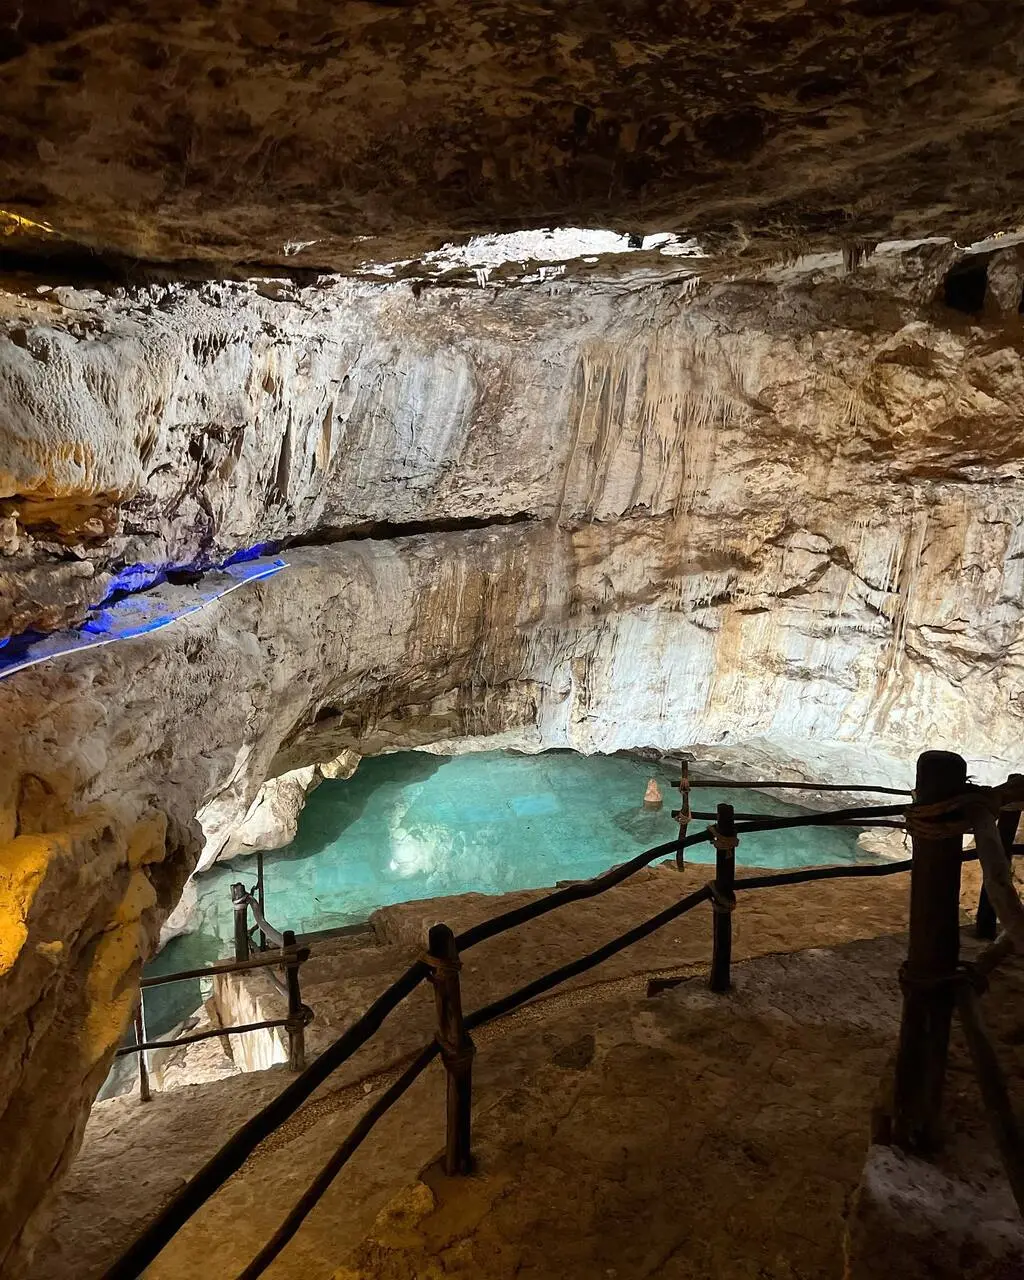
(236, 134)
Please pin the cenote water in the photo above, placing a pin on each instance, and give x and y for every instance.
(414, 825)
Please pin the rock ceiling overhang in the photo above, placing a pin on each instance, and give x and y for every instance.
(316, 135)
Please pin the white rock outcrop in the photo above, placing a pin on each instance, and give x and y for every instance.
(786, 516)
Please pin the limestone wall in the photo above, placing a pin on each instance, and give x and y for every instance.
(785, 516)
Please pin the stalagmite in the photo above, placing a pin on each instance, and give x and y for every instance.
(652, 796)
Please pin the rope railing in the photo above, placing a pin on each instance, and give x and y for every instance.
(288, 956)
(214, 1034)
(709, 815)
(725, 784)
(440, 965)
(263, 924)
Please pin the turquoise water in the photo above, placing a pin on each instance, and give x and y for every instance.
(414, 825)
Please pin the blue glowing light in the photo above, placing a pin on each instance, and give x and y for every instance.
(132, 578)
(251, 553)
(135, 615)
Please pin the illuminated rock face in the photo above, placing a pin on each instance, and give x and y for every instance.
(786, 516)
(177, 425)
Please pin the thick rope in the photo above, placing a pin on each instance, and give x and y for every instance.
(997, 874)
(994, 954)
(724, 903)
(922, 819)
(457, 1058)
(441, 966)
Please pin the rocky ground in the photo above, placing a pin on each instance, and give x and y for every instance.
(783, 511)
(684, 1136)
(736, 1113)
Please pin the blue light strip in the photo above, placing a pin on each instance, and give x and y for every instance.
(135, 615)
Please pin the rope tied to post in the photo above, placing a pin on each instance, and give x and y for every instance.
(456, 1057)
(960, 810)
(441, 966)
(925, 982)
(721, 902)
(302, 1017)
(720, 841)
(975, 811)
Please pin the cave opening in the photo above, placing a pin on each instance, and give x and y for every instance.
(965, 286)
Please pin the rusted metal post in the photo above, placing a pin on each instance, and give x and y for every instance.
(723, 897)
(240, 903)
(140, 1038)
(457, 1048)
(684, 812)
(261, 895)
(985, 923)
(296, 1025)
(928, 975)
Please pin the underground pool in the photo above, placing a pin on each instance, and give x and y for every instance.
(415, 825)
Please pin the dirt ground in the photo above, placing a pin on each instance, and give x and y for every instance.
(618, 1136)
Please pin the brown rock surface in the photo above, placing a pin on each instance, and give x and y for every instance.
(127, 1168)
(616, 510)
(239, 132)
(688, 1136)
(954, 1217)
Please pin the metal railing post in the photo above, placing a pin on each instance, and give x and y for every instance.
(296, 1024)
(240, 903)
(140, 1038)
(457, 1048)
(933, 953)
(985, 923)
(723, 897)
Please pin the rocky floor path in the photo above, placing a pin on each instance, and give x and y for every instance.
(619, 1136)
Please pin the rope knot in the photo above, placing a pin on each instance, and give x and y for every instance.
(920, 982)
(946, 819)
(458, 1059)
(441, 968)
(720, 841)
(723, 903)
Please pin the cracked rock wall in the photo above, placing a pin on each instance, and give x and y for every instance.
(785, 512)
(176, 424)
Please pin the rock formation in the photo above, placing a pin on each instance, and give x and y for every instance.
(788, 511)
(228, 131)
(778, 508)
